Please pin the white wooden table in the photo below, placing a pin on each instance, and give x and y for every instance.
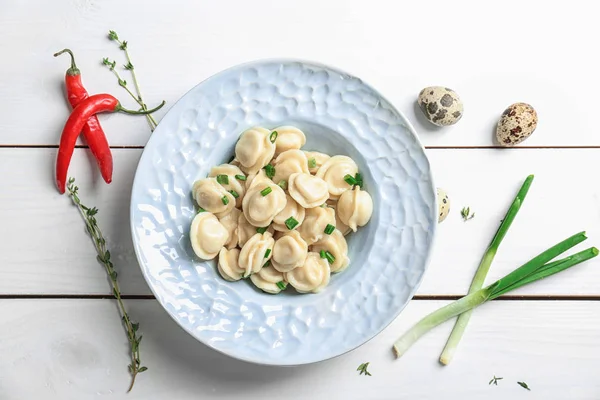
(60, 334)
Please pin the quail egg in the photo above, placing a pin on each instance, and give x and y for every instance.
(440, 105)
(516, 124)
(443, 204)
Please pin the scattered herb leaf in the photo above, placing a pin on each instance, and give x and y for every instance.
(495, 380)
(223, 179)
(240, 177)
(291, 223)
(266, 191)
(363, 369)
(281, 285)
(312, 163)
(269, 171)
(466, 215)
(329, 229)
(524, 385)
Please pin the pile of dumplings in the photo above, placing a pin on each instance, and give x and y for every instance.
(278, 215)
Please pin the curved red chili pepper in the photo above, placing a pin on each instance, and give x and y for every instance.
(92, 131)
(93, 105)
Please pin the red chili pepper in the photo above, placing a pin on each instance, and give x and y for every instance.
(92, 131)
(87, 108)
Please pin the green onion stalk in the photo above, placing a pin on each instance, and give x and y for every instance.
(534, 270)
(482, 270)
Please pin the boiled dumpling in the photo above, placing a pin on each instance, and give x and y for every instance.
(245, 230)
(260, 176)
(230, 183)
(291, 210)
(315, 222)
(355, 208)
(254, 149)
(309, 191)
(263, 202)
(288, 163)
(333, 172)
(254, 254)
(213, 197)
(289, 252)
(207, 235)
(336, 245)
(345, 229)
(269, 280)
(230, 222)
(313, 276)
(315, 160)
(288, 138)
(228, 265)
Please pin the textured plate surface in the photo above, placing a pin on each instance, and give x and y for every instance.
(340, 114)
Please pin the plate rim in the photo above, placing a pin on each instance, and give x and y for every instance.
(410, 128)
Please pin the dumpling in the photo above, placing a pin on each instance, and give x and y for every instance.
(313, 276)
(289, 252)
(254, 149)
(230, 222)
(309, 191)
(291, 210)
(269, 280)
(337, 246)
(260, 176)
(315, 222)
(213, 197)
(207, 235)
(315, 160)
(263, 202)
(228, 265)
(226, 177)
(289, 162)
(254, 254)
(355, 208)
(288, 138)
(245, 230)
(333, 172)
(339, 225)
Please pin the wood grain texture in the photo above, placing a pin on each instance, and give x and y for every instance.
(82, 354)
(398, 48)
(46, 249)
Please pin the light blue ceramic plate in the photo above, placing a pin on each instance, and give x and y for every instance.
(340, 114)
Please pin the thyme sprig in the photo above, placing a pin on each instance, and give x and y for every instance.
(112, 35)
(103, 257)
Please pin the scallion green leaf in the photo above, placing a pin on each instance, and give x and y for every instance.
(267, 253)
(273, 136)
(281, 285)
(240, 177)
(262, 230)
(225, 200)
(269, 171)
(283, 184)
(329, 229)
(234, 193)
(312, 163)
(330, 258)
(350, 180)
(266, 191)
(223, 179)
(291, 223)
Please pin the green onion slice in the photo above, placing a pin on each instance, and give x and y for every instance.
(291, 223)
(225, 200)
(329, 257)
(266, 191)
(262, 230)
(240, 177)
(269, 171)
(223, 179)
(312, 163)
(267, 253)
(350, 180)
(281, 285)
(273, 136)
(329, 229)
(234, 193)
(282, 184)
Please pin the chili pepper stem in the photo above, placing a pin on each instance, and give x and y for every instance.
(141, 112)
(73, 70)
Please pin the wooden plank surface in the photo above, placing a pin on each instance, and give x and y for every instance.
(46, 250)
(491, 55)
(82, 354)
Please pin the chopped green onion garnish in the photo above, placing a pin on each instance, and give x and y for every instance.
(200, 210)
(281, 285)
(240, 177)
(359, 179)
(350, 180)
(266, 191)
(312, 163)
(225, 200)
(273, 136)
(265, 265)
(283, 184)
(267, 253)
(322, 254)
(234, 193)
(329, 257)
(329, 229)
(223, 179)
(262, 230)
(269, 171)
(291, 223)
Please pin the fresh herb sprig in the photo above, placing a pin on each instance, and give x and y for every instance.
(363, 369)
(524, 385)
(112, 35)
(495, 380)
(131, 328)
(466, 214)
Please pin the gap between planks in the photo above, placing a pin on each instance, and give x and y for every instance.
(416, 298)
(139, 147)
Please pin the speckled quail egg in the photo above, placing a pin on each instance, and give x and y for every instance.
(441, 105)
(443, 204)
(516, 124)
